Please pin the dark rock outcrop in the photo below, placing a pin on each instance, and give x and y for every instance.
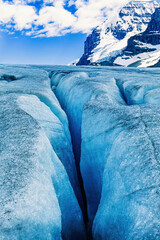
(132, 19)
(150, 36)
(91, 42)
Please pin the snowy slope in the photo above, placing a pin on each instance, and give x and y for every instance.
(146, 59)
(112, 35)
(143, 50)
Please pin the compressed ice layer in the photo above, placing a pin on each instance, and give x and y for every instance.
(37, 155)
(115, 113)
(130, 189)
(55, 132)
(114, 122)
(34, 81)
(29, 207)
(30, 80)
(74, 91)
(138, 91)
(69, 96)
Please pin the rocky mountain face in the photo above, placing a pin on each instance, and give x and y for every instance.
(107, 42)
(150, 36)
(140, 45)
(152, 33)
(92, 42)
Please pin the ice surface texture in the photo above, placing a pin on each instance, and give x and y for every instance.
(114, 120)
(114, 126)
(39, 185)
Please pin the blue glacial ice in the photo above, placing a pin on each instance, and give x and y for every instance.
(109, 181)
(114, 121)
(29, 207)
(39, 185)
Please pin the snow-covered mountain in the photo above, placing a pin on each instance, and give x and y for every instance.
(108, 41)
(143, 49)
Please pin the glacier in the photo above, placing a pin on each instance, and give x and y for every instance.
(79, 153)
(39, 184)
(114, 116)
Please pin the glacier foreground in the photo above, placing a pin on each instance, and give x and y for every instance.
(38, 184)
(79, 153)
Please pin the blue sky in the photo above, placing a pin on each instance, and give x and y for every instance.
(48, 31)
(21, 49)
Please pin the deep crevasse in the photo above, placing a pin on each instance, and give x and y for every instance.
(115, 115)
(114, 121)
(38, 174)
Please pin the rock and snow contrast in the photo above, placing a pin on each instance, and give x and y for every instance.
(143, 50)
(79, 153)
(109, 43)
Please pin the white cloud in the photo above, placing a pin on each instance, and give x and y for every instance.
(53, 19)
(21, 15)
(55, 14)
(24, 16)
(91, 13)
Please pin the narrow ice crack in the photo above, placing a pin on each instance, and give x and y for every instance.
(149, 138)
(121, 90)
(142, 189)
(77, 163)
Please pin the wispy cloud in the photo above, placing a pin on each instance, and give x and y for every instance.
(55, 17)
